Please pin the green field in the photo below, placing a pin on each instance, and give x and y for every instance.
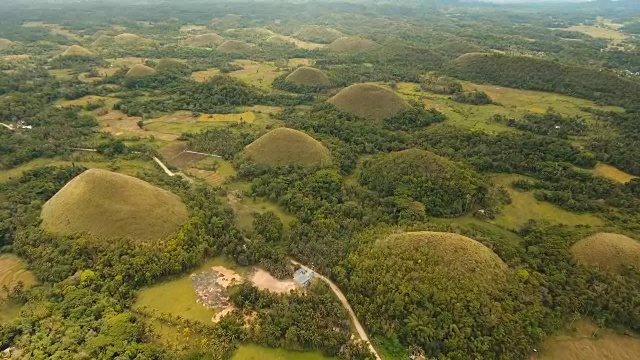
(255, 352)
(246, 208)
(177, 296)
(12, 271)
(525, 207)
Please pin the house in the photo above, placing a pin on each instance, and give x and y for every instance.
(303, 276)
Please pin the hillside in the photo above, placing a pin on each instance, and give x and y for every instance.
(545, 75)
(308, 76)
(129, 40)
(369, 101)
(318, 34)
(231, 46)
(75, 50)
(609, 252)
(351, 44)
(205, 40)
(140, 70)
(5, 44)
(418, 283)
(284, 146)
(111, 205)
(442, 186)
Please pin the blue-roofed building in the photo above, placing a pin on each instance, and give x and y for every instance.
(303, 276)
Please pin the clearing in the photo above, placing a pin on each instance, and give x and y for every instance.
(259, 74)
(265, 281)
(179, 298)
(256, 352)
(247, 116)
(245, 208)
(525, 207)
(12, 271)
(589, 342)
(612, 173)
(204, 75)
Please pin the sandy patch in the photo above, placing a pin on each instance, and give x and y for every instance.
(226, 276)
(218, 316)
(264, 281)
(211, 289)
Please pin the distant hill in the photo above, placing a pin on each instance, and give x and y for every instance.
(608, 252)
(546, 75)
(230, 46)
(351, 44)
(318, 34)
(204, 40)
(308, 76)
(76, 50)
(140, 70)
(111, 205)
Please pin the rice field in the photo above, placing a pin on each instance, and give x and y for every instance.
(525, 207)
(13, 271)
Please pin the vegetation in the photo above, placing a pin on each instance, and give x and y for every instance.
(307, 76)
(140, 70)
(351, 44)
(231, 46)
(282, 146)
(318, 34)
(205, 40)
(110, 205)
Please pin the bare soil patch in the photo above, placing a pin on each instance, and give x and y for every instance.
(210, 287)
(265, 281)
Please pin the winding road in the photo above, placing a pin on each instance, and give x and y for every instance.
(169, 172)
(347, 306)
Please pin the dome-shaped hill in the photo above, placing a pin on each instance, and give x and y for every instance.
(112, 205)
(76, 50)
(369, 101)
(140, 70)
(99, 34)
(608, 252)
(417, 277)
(131, 40)
(5, 44)
(446, 188)
(351, 44)
(205, 40)
(283, 146)
(171, 65)
(278, 39)
(308, 76)
(235, 46)
(103, 40)
(318, 34)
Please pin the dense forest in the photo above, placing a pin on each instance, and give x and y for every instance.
(449, 224)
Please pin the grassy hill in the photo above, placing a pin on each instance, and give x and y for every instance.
(351, 44)
(278, 39)
(5, 44)
(546, 75)
(230, 46)
(76, 50)
(284, 146)
(608, 252)
(131, 40)
(369, 101)
(140, 70)
(111, 205)
(308, 76)
(318, 34)
(442, 186)
(205, 40)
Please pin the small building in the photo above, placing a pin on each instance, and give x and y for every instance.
(303, 276)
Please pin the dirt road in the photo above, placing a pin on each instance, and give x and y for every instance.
(7, 126)
(169, 172)
(347, 306)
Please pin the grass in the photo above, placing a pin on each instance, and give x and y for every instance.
(8, 312)
(12, 271)
(62, 74)
(109, 101)
(587, 342)
(245, 208)
(613, 173)
(525, 207)
(307, 76)
(369, 101)
(256, 352)
(307, 45)
(234, 46)
(283, 146)
(509, 102)
(259, 74)
(178, 298)
(247, 116)
(204, 75)
(111, 205)
(608, 252)
(205, 40)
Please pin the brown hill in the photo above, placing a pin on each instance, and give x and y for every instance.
(308, 76)
(140, 70)
(75, 50)
(5, 44)
(205, 40)
(609, 252)
(230, 46)
(369, 101)
(351, 44)
(318, 34)
(112, 205)
(283, 146)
